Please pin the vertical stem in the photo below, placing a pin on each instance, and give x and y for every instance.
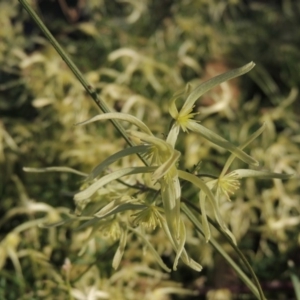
(99, 102)
(256, 290)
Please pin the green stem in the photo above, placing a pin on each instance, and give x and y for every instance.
(256, 289)
(99, 102)
(104, 108)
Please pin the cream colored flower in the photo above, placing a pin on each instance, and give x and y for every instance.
(184, 118)
(162, 165)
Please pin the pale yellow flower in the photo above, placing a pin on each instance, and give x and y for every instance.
(162, 165)
(184, 118)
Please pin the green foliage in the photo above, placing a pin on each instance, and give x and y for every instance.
(136, 55)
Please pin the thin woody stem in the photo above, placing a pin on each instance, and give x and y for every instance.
(99, 102)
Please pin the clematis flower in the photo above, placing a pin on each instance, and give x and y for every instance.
(184, 118)
(227, 184)
(149, 217)
(162, 159)
(162, 165)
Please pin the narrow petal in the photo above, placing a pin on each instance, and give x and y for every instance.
(184, 256)
(195, 221)
(161, 144)
(166, 166)
(87, 193)
(202, 185)
(120, 251)
(173, 109)
(180, 243)
(220, 141)
(170, 194)
(150, 247)
(177, 189)
(209, 84)
(111, 159)
(169, 202)
(245, 144)
(119, 116)
(173, 134)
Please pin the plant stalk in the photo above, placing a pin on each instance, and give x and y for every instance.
(99, 102)
(256, 289)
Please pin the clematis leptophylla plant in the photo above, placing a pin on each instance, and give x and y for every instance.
(163, 158)
(162, 163)
(226, 185)
(184, 118)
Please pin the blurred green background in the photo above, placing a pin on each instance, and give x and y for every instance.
(137, 54)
